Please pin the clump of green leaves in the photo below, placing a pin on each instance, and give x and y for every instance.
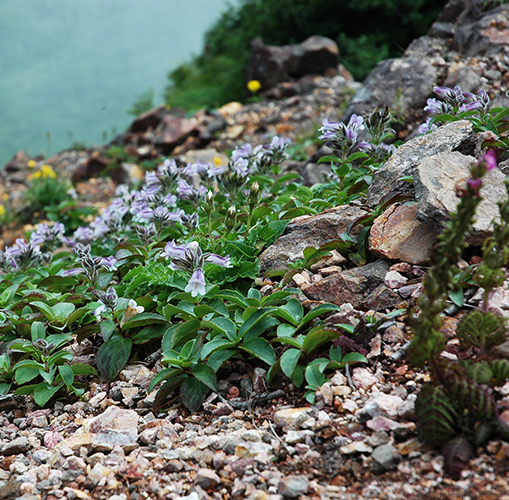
(456, 410)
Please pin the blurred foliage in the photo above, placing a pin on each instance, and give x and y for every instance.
(366, 31)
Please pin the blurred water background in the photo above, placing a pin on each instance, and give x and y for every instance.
(71, 69)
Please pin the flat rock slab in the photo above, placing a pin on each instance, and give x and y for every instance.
(456, 136)
(436, 178)
(349, 286)
(398, 235)
(309, 231)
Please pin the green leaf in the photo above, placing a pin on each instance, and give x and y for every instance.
(192, 393)
(67, 374)
(285, 330)
(107, 329)
(291, 312)
(103, 280)
(279, 297)
(354, 357)
(329, 158)
(144, 319)
(289, 360)
(45, 309)
(206, 375)
(24, 374)
(253, 293)
(202, 310)
(62, 311)
(219, 357)
(317, 311)
(457, 297)
(150, 333)
(185, 332)
(261, 349)
(44, 392)
(82, 369)
(166, 389)
(226, 326)
(112, 356)
(59, 357)
(335, 354)
(214, 345)
(356, 156)
(8, 294)
(317, 337)
(314, 377)
(38, 331)
(342, 170)
(164, 374)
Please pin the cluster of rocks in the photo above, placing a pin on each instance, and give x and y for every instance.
(112, 445)
(359, 426)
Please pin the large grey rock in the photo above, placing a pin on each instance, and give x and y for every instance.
(350, 286)
(483, 33)
(436, 178)
(456, 136)
(401, 84)
(309, 231)
(271, 65)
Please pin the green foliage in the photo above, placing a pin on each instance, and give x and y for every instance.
(366, 32)
(142, 104)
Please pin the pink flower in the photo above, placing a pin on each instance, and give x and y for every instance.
(490, 158)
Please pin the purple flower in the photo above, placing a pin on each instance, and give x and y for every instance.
(217, 260)
(245, 151)
(172, 250)
(475, 184)
(196, 285)
(83, 234)
(109, 263)
(184, 189)
(490, 159)
(72, 272)
(471, 106)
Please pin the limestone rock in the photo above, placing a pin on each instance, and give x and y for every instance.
(350, 286)
(385, 457)
(456, 136)
(436, 178)
(293, 486)
(397, 234)
(309, 231)
(404, 83)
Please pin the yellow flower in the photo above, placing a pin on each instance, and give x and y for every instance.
(31, 164)
(254, 86)
(5, 196)
(47, 171)
(217, 161)
(2, 210)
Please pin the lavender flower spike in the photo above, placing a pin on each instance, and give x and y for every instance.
(490, 158)
(196, 285)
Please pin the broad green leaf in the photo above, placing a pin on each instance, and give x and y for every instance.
(254, 319)
(59, 339)
(289, 360)
(343, 170)
(253, 293)
(107, 329)
(67, 374)
(192, 393)
(261, 349)
(335, 354)
(150, 333)
(189, 350)
(185, 332)
(112, 356)
(24, 374)
(314, 377)
(44, 392)
(285, 330)
(317, 311)
(59, 357)
(457, 297)
(165, 374)
(220, 356)
(214, 345)
(62, 311)
(5, 388)
(202, 310)
(329, 158)
(206, 375)
(233, 296)
(83, 369)
(260, 327)
(144, 319)
(298, 375)
(38, 331)
(8, 294)
(279, 297)
(354, 357)
(317, 337)
(103, 280)
(45, 309)
(291, 312)
(166, 389)
(225, 325)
